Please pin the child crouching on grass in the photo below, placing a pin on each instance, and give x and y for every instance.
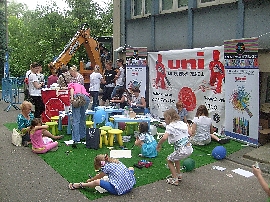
(146, 141)
(36, 135)
(121, 178)
(177, 133)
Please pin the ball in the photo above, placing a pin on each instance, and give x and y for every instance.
(189, 164)
(219, 152)
(99, 116)
(122, 125)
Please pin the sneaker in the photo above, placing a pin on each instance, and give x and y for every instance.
(223, 141)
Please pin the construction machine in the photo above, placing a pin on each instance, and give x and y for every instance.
(91, 46)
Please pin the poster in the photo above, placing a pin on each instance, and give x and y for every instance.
(242, 89)
(195, 76)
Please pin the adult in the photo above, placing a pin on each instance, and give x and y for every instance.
(78, 113)
(52, 78)
(24, 121)
(64, 77)
(120, 76)
(35, 90)
(76, 76)
(26, 83)
(121, 98)
(95, 79)
(109, 76)
(137, 102)
(202, 128)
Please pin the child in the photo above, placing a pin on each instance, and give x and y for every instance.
(121, 178)
(258, 173)
(177, 133)
(182, 112)
(202, 128)
(36, 131)
(146, 141)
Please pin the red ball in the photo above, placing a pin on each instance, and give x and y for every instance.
(122, 125)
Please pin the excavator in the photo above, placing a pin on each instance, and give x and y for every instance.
(82, 36)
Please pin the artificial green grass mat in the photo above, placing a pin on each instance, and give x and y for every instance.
(75, 165)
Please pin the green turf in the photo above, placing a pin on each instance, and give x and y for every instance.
(76, 164)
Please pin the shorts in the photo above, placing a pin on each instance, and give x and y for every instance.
(110, 188)
(181, 153)
(196, 141)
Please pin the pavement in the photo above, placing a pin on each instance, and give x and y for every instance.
(24, 176)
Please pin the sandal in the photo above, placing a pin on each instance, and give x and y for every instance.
(179, 177)
(71, 186)
(172, 181)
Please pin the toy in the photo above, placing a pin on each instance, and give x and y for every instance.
(189, 164)
(219, 152)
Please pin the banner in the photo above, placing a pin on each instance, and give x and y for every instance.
(195, 76)
(242, 89)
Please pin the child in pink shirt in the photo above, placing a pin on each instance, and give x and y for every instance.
(36, 131)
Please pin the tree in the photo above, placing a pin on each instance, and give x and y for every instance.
(3, 42)
(42, 34)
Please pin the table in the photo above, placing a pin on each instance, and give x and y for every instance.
(121, 118)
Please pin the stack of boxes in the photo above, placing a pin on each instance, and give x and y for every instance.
(264, 131)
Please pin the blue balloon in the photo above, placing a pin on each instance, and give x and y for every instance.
(219, 152)
(146, 111)
(109, 124)
(99, 116)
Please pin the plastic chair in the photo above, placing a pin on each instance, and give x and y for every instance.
(103, 138)
(118, 133)
(89, 124)
(52, 127)
(131, 127)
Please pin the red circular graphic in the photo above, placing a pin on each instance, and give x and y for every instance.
(187, 96)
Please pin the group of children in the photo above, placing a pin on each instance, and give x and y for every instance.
(177, 132)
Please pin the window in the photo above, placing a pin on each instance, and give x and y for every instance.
(204, 3)
(141, 8)
(168, 6)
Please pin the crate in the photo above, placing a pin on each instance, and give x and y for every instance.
(264, 136)
(264, 123)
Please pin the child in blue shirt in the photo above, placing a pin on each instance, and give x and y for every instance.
(121, 178)
(146, 141)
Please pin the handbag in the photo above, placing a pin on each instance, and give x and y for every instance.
(78, 101)
(92, 138)
(16, 138)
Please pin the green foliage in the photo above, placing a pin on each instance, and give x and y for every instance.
(42, 34)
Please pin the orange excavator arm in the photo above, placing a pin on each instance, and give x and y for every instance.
(82, 36)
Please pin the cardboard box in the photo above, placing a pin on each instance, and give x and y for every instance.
(264, 136)
(264, 123)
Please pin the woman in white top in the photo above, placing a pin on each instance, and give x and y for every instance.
(35, 90)
(137, 101)
(95, 79)
(202, 128)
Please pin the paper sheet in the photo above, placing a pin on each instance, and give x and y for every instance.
(242, 172)
(69, 142)
(120, 153)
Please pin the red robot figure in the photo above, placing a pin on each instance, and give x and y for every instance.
(217, 71)
(161, 75)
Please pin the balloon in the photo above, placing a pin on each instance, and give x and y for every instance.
(99, 116)
(189, 164)
(219, 152)
(153, 130)
(109, 124)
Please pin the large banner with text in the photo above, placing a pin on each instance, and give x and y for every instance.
(194, 76)
(242, 89)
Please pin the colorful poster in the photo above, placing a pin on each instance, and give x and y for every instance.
(242, 90)
(195, 76)
(136, 75)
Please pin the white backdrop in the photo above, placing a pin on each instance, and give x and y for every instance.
(185, 74)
